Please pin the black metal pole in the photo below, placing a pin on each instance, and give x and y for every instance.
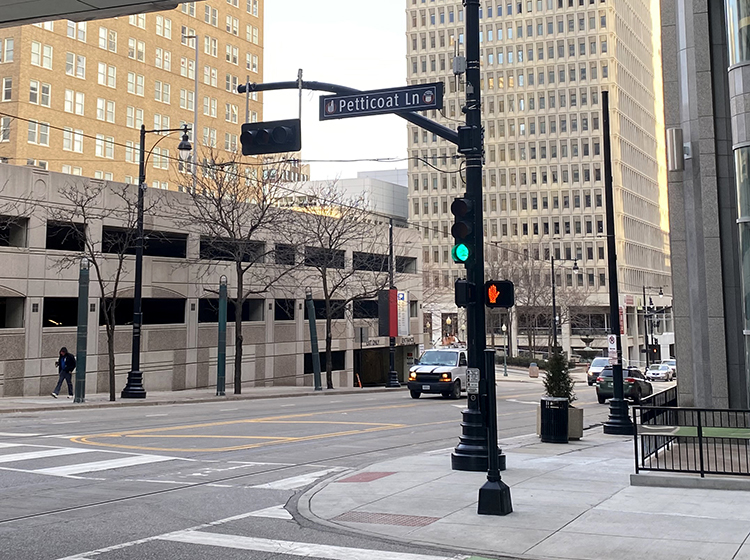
(554, 308)
(221, 363)
(82, 333)
(494, 495)
(134, 386)
(392, 373)
(313, 340)
(645, 325)
(619, 419)
(471, 452)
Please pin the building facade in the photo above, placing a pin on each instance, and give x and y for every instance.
(75, 94)
(705, 51)
(39, 291)
(544, 65)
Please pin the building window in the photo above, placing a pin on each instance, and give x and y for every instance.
(136, 50)
(107, 39)
(6, 50)
(75, 65)
(5, 129)
(72, 140)
(7, 89)
(77, 30)
(162, 91)
(164, 25)
(139, 20)
(211, 16)
(38, 133)
(135, 83)
(105, 110)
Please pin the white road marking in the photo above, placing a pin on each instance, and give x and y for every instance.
(333, 402)
(259, 464)
(521, 402)
(286, 405)
(68, 470)
(228, 409)
(306, 550)
(56, 452)
(273, 512)
(462, 406)
(69, 422)
(3, 445)
(154, 415)
(439, 451)
(11, 434)
(60, 436)
(296, 482)
(157, 481)
(97, 552)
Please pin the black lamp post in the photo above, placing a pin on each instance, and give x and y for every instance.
(554, 302)
(645, 318)
(134, 387)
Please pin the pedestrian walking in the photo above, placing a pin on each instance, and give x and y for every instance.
(65, 366)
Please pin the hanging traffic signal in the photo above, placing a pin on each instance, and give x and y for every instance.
(272, 137)
(499, 293)
(462, 230)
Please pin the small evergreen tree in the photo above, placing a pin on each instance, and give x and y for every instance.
(557, 380)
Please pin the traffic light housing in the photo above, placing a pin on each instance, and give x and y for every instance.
(499, 293)
(271, 137)
(465, 293)
(462, 230)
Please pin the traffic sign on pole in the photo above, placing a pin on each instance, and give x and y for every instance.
(421, 97)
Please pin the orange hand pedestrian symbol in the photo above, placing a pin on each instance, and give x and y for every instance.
(493, 293)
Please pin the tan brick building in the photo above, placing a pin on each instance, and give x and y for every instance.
(81, 90)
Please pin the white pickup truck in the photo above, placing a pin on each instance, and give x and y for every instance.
(441, 370)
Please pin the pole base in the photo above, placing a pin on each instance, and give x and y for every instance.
(619, 422)
(471, 452)
(494, 499)
(134, 387)
(393, 379)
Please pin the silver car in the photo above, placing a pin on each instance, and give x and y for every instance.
(659, 372)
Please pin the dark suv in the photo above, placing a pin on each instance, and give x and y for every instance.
(634, 385)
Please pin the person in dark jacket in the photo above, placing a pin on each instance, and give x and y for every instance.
(65, 366)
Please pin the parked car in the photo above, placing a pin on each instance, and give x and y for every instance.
(634, 385)
(672, 363)
(441, 370)
(659, 372)
(595, 369)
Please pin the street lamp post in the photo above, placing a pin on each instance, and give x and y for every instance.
(645, 317)
(134, 386)
(392, 373)
(555, 318)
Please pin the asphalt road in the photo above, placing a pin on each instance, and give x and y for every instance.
(218, 480)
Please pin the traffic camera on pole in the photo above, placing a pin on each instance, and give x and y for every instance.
(463, 230)
(272, 137)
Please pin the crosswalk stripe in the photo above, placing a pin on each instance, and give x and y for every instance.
(55, 452)
(295, 482)
(80, 468)
(14, 434)
(307, 550)
(273, 512)
(4, 445)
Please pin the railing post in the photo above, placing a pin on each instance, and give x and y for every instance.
(700, 444)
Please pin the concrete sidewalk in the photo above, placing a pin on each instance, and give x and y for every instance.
(101, 400)
(570, 501)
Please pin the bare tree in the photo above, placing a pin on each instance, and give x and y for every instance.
(237, 213)
(328, 227)
(532, 278)
(84, 207)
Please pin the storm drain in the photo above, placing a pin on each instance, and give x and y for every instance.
(366, 477)
(386, 519)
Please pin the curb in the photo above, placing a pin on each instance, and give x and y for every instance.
(303, 508)
(192, 400)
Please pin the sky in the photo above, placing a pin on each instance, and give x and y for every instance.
(346, 42)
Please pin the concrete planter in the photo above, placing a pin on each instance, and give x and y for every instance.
(575, 422)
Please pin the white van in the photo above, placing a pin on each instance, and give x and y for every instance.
(441, 370)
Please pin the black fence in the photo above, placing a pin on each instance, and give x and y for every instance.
(691, 440)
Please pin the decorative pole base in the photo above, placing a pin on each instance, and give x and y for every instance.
(619, 422)
(471, 452)
(393, 379)
(494, 499)
(134, 387)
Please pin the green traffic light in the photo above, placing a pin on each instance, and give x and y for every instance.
(460, 253)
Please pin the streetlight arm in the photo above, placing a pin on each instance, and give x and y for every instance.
(159, 131)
